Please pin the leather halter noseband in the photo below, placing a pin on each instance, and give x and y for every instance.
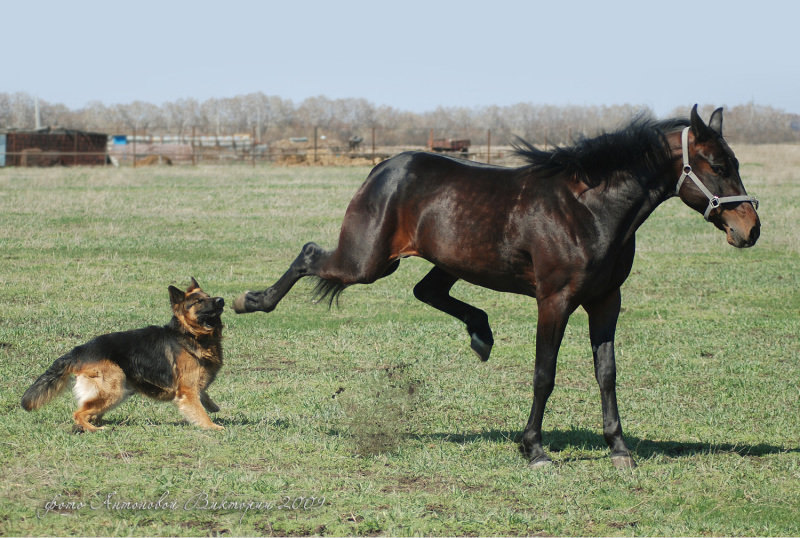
(713, 200)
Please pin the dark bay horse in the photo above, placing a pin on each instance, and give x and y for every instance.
(560, 228)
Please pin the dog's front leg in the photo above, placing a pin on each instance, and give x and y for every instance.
(208, 403)
(189, 404)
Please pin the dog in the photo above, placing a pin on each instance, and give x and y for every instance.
(175, 362)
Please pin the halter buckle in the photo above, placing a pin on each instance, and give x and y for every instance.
(714, 201)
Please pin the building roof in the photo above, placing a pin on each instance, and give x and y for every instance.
(51, 130)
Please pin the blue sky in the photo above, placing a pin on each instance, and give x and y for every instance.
(408, 54)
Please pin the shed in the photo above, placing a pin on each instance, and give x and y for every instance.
(51, 147)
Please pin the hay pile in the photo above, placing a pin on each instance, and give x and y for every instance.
(330, 152)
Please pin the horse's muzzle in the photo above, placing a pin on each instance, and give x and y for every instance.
(741, 225)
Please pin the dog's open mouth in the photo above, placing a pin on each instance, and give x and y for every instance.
(211, 318)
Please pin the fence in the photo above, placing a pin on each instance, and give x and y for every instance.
(317, 149)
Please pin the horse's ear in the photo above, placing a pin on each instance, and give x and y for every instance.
(699, 128)
(716, 121)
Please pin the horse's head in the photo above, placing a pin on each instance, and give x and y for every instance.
(714, 187)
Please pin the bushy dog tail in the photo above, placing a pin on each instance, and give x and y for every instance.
(50, 383)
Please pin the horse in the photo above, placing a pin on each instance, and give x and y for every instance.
(560, 228)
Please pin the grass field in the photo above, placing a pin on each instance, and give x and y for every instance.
(376, 418)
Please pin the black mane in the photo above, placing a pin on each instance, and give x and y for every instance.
(638, 148)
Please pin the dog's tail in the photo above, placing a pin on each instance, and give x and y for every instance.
(50, 383)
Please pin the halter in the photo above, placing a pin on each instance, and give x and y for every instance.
(713, 200)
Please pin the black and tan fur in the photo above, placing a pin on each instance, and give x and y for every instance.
(176, 362)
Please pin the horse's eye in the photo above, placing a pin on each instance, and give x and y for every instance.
(719, 170)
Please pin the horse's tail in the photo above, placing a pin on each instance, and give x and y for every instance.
(328, 290)
(50, 383)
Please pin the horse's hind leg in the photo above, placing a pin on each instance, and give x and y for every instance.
(364, 254)
(434, 290)
(308, 262)
(354, 261)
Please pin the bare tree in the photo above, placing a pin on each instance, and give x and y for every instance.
(274, 118)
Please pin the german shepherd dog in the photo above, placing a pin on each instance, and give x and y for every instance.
(175, 362)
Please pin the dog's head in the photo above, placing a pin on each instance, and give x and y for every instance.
(196, 311)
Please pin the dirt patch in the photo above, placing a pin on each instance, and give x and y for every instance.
(383, 412)
(209, 528)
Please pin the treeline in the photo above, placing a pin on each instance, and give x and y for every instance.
(274, 118)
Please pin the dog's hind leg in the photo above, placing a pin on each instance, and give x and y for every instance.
(99, 387)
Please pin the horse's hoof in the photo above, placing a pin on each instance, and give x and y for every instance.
(540, 462)
(481, 348)
(240, 304)
(623, 462)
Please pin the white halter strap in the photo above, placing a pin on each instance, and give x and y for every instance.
(713, 199)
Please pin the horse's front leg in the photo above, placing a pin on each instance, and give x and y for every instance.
(434, 290)
(603, 316)
(553, 316)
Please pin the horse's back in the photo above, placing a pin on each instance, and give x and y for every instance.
(409, 167)
(457, 214)
(414, 177)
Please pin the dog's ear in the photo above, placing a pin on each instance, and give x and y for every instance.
(193, 286)
(176, 296)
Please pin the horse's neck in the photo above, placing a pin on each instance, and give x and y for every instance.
(624, 206)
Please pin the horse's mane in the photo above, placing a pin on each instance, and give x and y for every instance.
(639, 148)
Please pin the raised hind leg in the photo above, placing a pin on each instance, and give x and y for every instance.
(307, 263)
(355, 261)
(434, 290)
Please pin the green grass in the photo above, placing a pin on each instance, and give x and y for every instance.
(379, 406)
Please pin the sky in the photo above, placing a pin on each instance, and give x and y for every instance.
(408, 54)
